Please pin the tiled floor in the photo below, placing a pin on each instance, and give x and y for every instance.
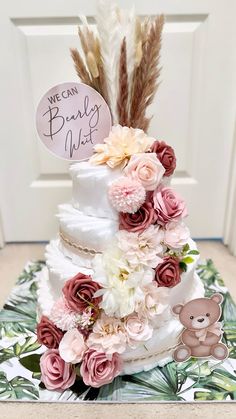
(12, 260)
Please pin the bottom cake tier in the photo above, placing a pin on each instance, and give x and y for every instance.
(166, 335)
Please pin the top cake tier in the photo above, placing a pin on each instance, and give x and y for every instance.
(90, 187)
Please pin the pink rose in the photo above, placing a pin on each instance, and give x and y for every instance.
(166, 155)
(137, 329)
(48, 334)
(98, 369)
(56, 374)
(176, 235)
(72, 346)
(146, 168)
(140, 220)
(168, 273)
(79, 291)
(168, 205)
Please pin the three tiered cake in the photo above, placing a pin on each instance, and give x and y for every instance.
(123, 257)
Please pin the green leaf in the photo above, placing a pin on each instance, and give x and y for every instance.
(19, 388)
(183, 266)
(210, 395)
(188, 259)
(193, 252)
(31, 362)
(219, 380)
(157, 384)
(186, 248)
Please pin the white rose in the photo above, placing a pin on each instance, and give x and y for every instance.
(176, 235)
(137, 329)
(72, 346)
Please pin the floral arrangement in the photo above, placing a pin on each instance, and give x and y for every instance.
(99, 317)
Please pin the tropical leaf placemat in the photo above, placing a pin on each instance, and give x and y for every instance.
(200, 380)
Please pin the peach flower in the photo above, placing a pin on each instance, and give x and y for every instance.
(141, 248)
(120, 145)
(108, 335)
(147, 169)
(72, 346)
(137, 329)
(155, 302)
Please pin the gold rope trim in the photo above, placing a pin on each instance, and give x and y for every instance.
(76, 246)
(153, 355)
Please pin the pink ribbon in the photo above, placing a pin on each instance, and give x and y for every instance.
(214, 328)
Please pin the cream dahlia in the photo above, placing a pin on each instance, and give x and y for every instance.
(121, 284)
(120, 145)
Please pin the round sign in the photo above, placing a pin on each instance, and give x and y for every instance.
(71, 118)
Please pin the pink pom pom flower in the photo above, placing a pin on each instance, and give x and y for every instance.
(126, 194)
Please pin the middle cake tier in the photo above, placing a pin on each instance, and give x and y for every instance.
(84, 233)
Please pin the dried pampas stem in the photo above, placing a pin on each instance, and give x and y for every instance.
(80, 67)
(123, 91)
(91, 68)
(146, 74)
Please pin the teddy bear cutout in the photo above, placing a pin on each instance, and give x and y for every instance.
(202, 334)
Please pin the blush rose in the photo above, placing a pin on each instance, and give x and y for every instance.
(79, 292)
(168, 205)
(48, 333)
(166, 155)
(140, 220)
(56, 374)
(168, 273)
(98, 368)
(146, 168)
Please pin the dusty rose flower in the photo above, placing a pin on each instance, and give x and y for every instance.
(120, 145)
(147, 169)
(137, 329)
(48, 334)
(72, 346)
(140, 220)
(79, 291)
(166, 155)
(108, 335)
(168, 273)
(176, 235)
(126, 195)
(98, 368)
(168, 205)
(56, 374)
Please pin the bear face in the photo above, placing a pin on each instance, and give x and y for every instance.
(199, 313)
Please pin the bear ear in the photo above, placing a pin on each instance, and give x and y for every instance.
(177, 309)
(218, 298)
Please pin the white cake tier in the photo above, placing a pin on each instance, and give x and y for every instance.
(158, 350)
(90, 186)
(91, 234)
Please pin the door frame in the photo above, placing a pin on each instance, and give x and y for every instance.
(230, 213)
(2, 241)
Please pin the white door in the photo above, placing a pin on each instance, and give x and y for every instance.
(194, 108)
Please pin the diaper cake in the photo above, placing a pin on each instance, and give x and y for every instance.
(123, 257)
